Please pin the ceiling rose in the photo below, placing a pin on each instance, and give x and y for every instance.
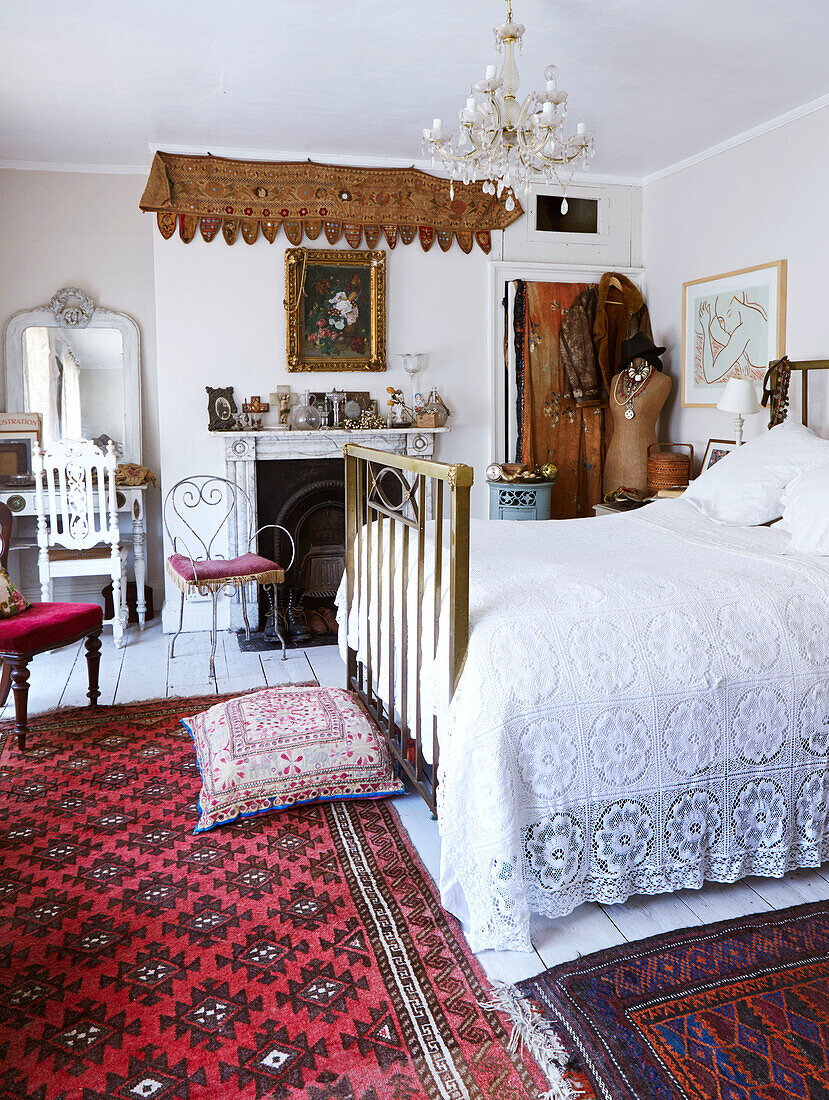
(506, 143)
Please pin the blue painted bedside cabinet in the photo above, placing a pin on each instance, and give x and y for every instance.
(519, 499)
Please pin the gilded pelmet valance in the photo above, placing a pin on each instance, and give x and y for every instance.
(246, 197)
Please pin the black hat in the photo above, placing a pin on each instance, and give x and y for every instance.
(639, 346)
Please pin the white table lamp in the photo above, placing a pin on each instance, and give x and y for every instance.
(740, 397)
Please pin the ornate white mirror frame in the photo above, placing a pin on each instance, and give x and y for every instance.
(70, 309)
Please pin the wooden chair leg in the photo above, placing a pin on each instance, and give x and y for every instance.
(20, 686)
(93, 661)
(5, 682)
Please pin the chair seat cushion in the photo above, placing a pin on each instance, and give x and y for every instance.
(284, 746)
(215, 572)
(44, 625)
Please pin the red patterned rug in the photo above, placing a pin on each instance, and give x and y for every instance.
(296, 954)
(734, 1011)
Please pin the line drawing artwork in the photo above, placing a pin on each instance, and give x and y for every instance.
(731, 335)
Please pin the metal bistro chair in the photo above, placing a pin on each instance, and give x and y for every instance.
(199, 502)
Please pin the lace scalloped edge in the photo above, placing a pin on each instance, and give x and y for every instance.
(532, 1030)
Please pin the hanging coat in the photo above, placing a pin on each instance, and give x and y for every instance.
(592, 334)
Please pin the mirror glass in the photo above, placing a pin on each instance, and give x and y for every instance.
(74, 377)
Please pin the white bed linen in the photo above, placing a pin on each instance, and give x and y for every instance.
(644, 706)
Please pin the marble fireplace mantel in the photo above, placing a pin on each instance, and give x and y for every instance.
(243, 449)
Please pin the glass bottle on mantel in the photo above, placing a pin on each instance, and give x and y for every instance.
(437, 407)
(306, 416)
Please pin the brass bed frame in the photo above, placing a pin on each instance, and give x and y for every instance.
(806, 365)
(390, 499)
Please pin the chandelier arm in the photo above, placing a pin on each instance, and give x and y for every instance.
(497, 121)
(508, 142)
(534, 149)
(450, 156)
(558, 162)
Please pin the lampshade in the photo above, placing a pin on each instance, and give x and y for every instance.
(739, 396)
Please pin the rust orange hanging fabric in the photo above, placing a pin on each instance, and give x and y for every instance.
(245, 198)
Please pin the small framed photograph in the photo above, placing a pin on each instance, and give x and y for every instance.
(220, 408)
(716, 449)
(16, 456)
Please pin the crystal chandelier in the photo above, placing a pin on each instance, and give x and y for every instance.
(506, 143)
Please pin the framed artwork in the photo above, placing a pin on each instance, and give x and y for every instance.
(335, 301)
(733, 325)
(716, 449)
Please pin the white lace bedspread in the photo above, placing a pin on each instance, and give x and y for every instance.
(644, 706)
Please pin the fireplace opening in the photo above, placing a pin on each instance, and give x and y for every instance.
(306, 496)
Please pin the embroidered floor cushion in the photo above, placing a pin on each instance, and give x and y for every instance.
(284, 746)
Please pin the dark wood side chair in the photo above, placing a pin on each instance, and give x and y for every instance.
(39, 628)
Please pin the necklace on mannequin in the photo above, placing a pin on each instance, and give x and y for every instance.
(630, 383)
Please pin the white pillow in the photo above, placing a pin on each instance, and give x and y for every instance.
(806, 511)
(746, 487)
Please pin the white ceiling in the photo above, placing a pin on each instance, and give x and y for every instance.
(97, 81)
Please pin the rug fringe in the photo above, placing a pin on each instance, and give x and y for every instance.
(530, 1028)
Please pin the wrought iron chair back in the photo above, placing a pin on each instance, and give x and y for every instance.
(198, 496)
(207, 498)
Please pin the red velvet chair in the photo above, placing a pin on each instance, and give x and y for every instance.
(41, 627)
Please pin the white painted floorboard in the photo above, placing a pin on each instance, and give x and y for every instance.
(142, 669)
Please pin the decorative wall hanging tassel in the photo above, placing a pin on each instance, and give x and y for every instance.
(408, 233)
(293, 231)
(209, 227)
(230, 227)
(445, 239)
(270, 230)
(333, 230)
(187, 225)
(313, 228)
(390, 233)
(372, 233)
(166, 224)
(464, 239)
(427, 237)
(353, 234)
(250, 230)
(484, 239)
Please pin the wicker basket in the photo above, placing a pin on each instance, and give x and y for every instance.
(667, 469)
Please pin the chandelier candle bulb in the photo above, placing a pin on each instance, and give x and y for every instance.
(491, 72)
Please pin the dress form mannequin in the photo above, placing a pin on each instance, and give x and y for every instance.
(626, 462)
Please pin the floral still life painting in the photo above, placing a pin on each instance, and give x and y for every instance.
(733, 327)
(335, 304)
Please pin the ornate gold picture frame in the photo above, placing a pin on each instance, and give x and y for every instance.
(335, 304)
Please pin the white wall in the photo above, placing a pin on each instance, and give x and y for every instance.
(85, 229)
(220, 321)
(760, 201)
